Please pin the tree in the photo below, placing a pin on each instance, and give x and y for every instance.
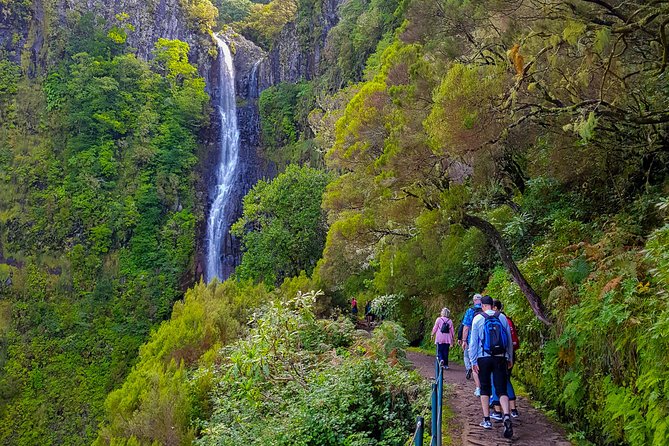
(282, 227)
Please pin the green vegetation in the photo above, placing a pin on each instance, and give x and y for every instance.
(294, 381)
(98, 216)
(462, 146)
(283, 227)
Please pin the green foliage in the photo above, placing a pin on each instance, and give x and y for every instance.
(106, 230)
(264, 22)
(201, 14)
(230, 11)
(284, 130)
(287, 383)
(158, 392)
(362, 26)
(282, 227)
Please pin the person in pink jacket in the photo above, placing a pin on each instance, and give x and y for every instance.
(442, 333)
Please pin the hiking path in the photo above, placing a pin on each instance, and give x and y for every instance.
(531, 428)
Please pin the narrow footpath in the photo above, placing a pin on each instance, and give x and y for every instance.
(532, 428)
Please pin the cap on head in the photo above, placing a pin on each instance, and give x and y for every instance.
(477, 298)
(486, 300)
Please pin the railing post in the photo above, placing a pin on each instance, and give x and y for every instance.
(440, 399)
(418, 438)
(433, 442)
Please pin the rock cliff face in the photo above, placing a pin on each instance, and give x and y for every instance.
(297, 53)
(26, 26)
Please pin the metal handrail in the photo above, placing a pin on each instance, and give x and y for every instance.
(437, 409)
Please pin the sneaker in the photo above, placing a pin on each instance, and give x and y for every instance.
(508, 428)
(514, 413)
(477, 392)
(445, 367)
(468, 375)
(486, 424)
(497, 416)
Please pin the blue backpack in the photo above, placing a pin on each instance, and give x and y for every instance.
(494, 336)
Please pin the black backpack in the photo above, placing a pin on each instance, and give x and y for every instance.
(445, 327)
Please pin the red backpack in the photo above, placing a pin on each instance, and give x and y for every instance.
(514, 335)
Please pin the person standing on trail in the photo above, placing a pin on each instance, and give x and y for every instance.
(466, 335)
(496, 414)
(491, 353)
(442, 333)
(354, 308)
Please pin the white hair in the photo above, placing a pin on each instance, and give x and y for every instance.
(445, 312)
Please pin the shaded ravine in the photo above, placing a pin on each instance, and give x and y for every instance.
(532, 428)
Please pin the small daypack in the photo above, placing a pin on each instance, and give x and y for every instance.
(460, 329)
(494, 335)
(514, 335)
(445, 327)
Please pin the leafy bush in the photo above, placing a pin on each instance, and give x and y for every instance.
(275, 389)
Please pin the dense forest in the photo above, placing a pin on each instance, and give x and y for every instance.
(432, 149)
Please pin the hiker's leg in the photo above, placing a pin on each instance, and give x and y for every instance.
(477, 380)
(485, 369)
(442, 352)
(500, 377)
(511, 393)
(446, 349)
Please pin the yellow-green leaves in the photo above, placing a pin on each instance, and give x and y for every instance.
(573, 31)
(463, 116)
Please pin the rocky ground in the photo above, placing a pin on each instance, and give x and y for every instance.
(532, 428)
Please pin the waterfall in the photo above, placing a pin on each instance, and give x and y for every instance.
(253, 81)
(219, 221)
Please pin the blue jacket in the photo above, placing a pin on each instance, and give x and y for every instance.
(468, 318)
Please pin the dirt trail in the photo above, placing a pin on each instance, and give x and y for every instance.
(532, 428)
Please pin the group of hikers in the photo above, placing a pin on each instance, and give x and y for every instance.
(369, 316)
(489, 341)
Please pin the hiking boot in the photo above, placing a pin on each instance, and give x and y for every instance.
(477, 392)
(514, 413)
(468, 375)
(497, 416)
(508, 428)
(486, 424)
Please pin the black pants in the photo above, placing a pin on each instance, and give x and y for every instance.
(442, 352)
(495, 365)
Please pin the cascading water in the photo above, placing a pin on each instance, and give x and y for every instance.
(219, 221)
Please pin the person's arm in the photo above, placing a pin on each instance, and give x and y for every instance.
(509, 344)
(473, 347)
(465, 333)
(434, 329)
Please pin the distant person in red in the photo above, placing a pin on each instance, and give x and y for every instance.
(354, 308)
(442, 333)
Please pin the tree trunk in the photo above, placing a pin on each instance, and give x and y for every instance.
(495, 238)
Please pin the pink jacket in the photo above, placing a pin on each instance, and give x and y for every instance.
(442, 338)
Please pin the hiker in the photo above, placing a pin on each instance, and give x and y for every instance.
(354, 308)
(369, 316)
(466, 335)
(491, 353)
(496, 414)
(442, 333)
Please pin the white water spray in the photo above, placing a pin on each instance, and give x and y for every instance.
(219, 221)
